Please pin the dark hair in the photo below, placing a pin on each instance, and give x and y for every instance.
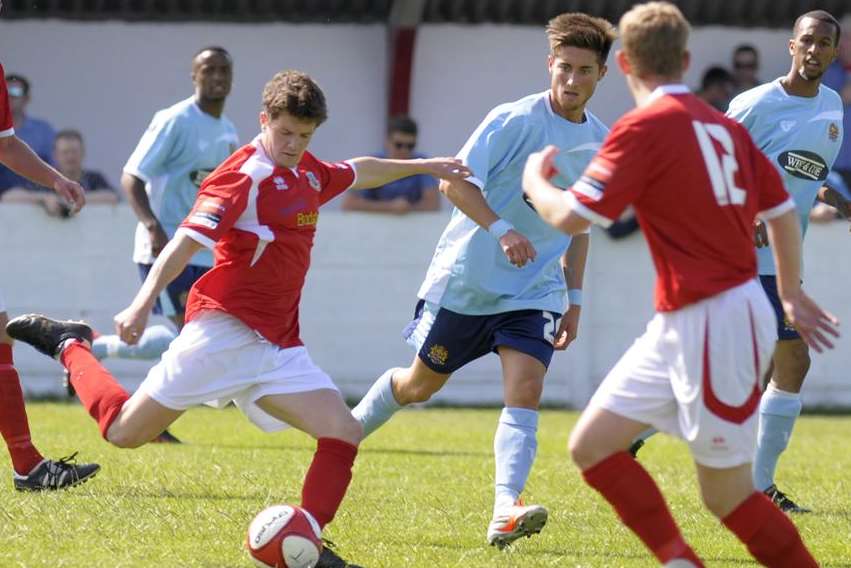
(403, 124)
(715, 75)
(821, 16)
(745, 48)
(297, 94)
(582, 31)
(213, 48)
(19, 79)
(70, 134)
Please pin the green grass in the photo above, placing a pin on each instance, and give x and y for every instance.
(421, 496)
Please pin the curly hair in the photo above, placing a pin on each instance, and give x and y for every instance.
(296, 94)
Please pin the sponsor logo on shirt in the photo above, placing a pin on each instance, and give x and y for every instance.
(833, 132)
(313, 181)
(205, 219)
(438, 355)
(803, 164)
(280, 183)
(306, 219)
(786, 125)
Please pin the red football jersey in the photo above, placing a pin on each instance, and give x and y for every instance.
(6, 126)
(260, 218)
(696, 181)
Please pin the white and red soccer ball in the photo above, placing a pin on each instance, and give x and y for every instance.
(284, 536)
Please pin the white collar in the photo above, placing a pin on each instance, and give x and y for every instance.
(670, 89)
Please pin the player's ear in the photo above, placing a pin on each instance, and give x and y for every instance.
(550, 60)
(792, 46)
(603, 70)
(623, 62)
(264, 119)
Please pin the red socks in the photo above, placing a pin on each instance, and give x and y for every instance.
(98, 390)
(769, 534)
(328, 478)
(13, 416)
(634, 495)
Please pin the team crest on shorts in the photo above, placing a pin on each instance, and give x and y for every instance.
(313, 181)
(833, 132)
(438, 354)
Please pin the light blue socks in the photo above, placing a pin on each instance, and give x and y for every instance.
(153, 343)
(778, 411)
(514, 446)
(378, 405)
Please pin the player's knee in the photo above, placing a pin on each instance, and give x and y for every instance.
(716, 503)
(581, 451)
(120, 438)
(346, 428)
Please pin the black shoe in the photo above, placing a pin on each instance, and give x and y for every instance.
(330, 559)
(783, 502)
(636, 445)
(45, 334)
(166, 438)
(51, 475)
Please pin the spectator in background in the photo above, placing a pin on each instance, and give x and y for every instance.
(717, 88)
(838, 78)
(37, 133)
(68, 152)
(745, 67)
(416, 193)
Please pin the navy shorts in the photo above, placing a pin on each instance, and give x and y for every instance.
(172, 301)
(446, 340)
(785, 330)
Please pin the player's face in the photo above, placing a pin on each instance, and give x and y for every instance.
(574, 73)
(212, 75)
(813, 48)
(286, 137)
(68, 154)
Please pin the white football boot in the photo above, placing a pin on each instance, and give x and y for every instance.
(515, 521)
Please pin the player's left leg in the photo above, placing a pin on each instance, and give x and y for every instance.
(769, 535)
(515, 445)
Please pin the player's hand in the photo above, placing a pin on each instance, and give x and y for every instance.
(72, 192)
(158, 239)
(568, 328)
(55, 206)
(451, 169)
(760, 235)
(540, 166)
(400, 206)
(816, 326)
(130, 324)
(517, 248)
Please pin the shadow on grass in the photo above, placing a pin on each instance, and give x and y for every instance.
(361, 451)
(166, 494)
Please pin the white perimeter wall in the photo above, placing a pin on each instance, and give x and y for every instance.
(360, 293)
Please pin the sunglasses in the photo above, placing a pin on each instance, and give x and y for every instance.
(742, 65)
(404, 145)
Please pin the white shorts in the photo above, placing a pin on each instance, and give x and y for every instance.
(695, 373)
(217, 359)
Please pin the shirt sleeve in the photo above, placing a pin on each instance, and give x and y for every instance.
(155, 150)
(334, 179)
(221, 201)
(492, 146)
(615, 178)
(6, 125)
(741, 110)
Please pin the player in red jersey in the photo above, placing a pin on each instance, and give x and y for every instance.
(32, 472)
(258, 212)
(697, 182)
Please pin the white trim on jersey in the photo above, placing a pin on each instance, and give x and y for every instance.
(671, 89)
(197, 237)
(259, 167)
(777, 210)
(584, 211)
(476, 181)
(354, 171)
(7, 133)
(135, 172)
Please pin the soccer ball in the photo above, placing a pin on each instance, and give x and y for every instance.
(284, 536)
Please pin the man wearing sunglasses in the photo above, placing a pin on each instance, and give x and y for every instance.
(415, 193)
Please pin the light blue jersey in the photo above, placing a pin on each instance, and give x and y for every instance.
(469, 273)
(181, 146)
(800, 135)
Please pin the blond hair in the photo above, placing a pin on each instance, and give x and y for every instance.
(582, 31)
(655, 36)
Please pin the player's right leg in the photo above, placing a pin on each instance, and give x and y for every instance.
(31, 471)
(122, 421)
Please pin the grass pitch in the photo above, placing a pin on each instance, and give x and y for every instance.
(421, 496)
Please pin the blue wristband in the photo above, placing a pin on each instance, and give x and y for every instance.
(574, 296)
(499, 227)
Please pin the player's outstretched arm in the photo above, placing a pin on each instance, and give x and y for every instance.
(816, 326)
(18, 157)
(375, 172)
(131, 322)
(549, 201)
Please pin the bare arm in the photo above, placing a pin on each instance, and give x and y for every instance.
(573, 263)
(831, 197)
(18, 157)
(175, 256)
(138, 198)
(375, 172)
(813, 323)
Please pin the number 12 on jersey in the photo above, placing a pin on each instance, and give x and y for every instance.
(721, 166)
